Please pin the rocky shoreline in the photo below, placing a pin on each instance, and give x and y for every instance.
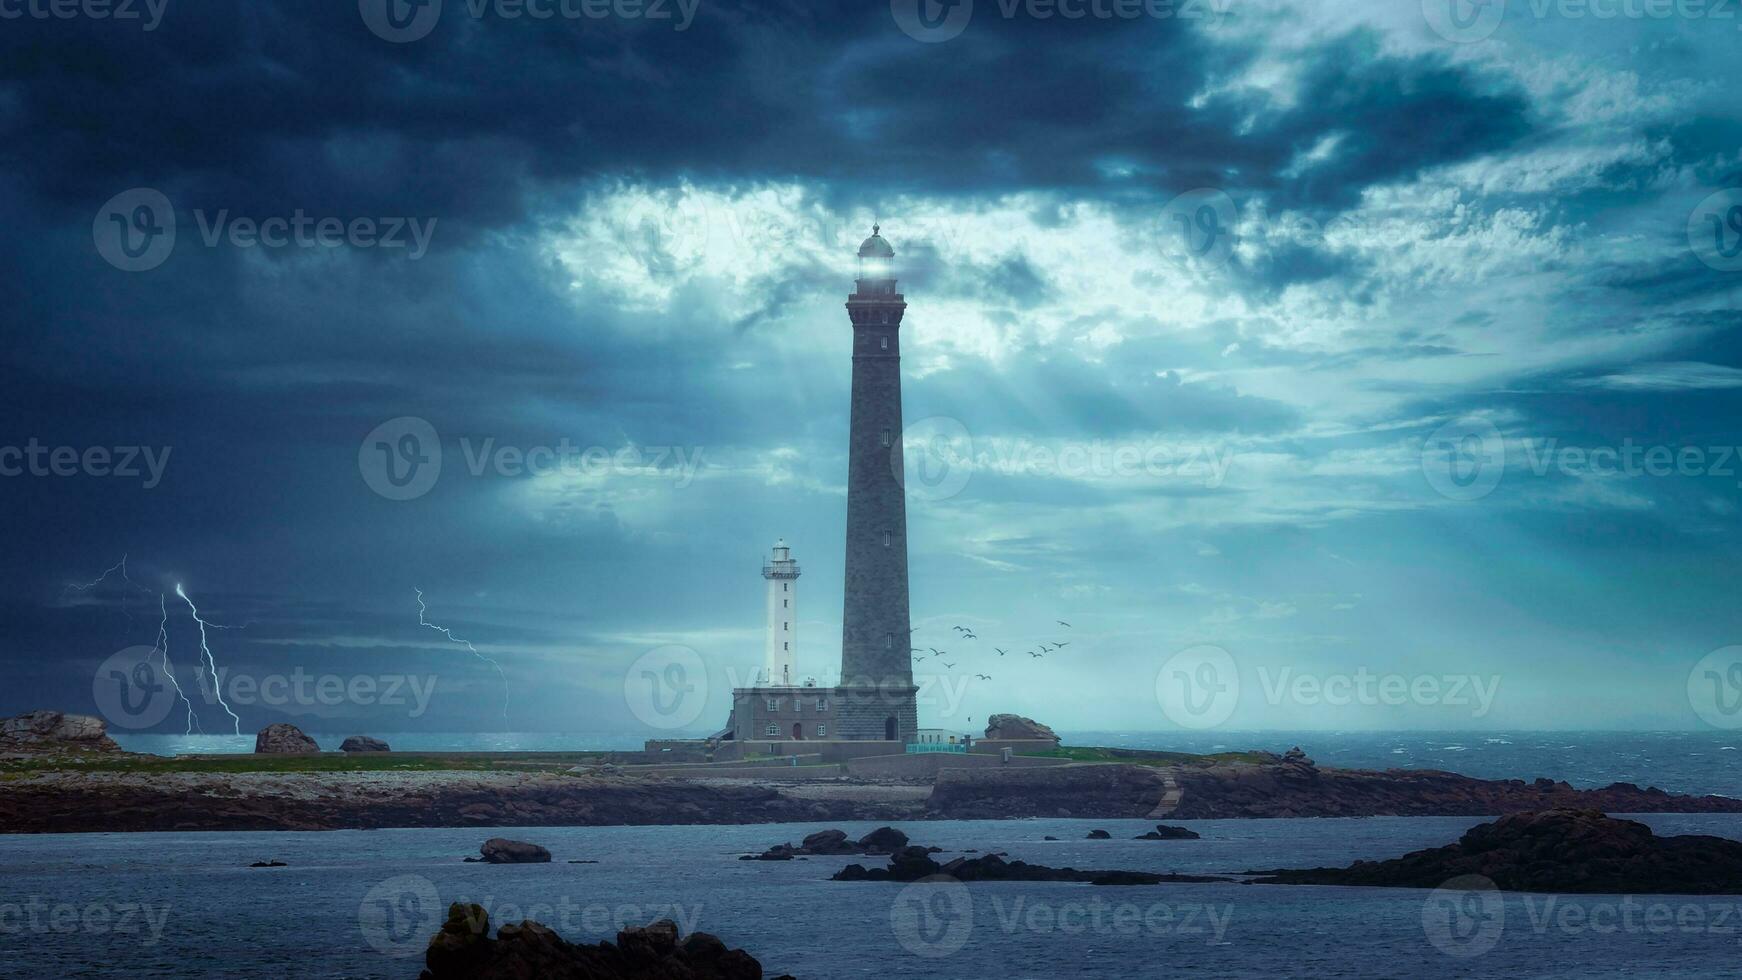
(73, 800)
(1560, 851)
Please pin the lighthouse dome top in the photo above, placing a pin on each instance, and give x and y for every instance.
(876, 247)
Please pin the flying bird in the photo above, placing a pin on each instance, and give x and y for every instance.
(1062, 623)
(984, 677)
(1034, 655)
(960, 629)
(1060, 646)
(1001, 651)
(950, 666)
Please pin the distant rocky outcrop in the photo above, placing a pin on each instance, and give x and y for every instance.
(1564, 851)
(283, 739)
(1099, 835)
(915, 864)
(1269, 785)
(501, 850)
(464, 950)
(53, 733)
(883, 840)
(1164, 832)
(1016, 727)
(363, 743)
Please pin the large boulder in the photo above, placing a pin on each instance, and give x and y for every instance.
(501, 850)
(52, 732)
(463, 950)
(363, 743)
(283, 739)
(1016, 727)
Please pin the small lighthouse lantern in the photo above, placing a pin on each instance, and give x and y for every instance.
(876, 262)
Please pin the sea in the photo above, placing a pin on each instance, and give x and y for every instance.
(363, 903)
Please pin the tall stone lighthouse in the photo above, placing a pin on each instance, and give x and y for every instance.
(876, 696)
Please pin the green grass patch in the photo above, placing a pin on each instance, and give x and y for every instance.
(324, 762)
(1145, 757)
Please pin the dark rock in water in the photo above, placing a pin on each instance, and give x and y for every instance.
(1164, 832)
(1049, 837)
(501, 850)
(1565, 851)
(583, 862)
(269, 864)
(1099, 835)
(52, 733)
(826, 842)
(915, 864)
(363, 743)
(463, 950)
(883, 840)
(283, 739)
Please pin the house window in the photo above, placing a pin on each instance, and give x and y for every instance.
(822, 730)
(772, 730)
(822, 704)
(773, 704)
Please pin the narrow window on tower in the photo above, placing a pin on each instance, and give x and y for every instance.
(783, 603)
(888, 539)
(783, 626)
(889, 641)
(888, 440)
(783, 586)
(786, 646)
(885, 343)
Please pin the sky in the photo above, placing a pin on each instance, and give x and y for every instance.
(1374, 365)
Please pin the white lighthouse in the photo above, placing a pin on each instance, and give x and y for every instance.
(779, 662)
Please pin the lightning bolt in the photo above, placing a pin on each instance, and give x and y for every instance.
(443, 630)
(163, 648)
(210, 663)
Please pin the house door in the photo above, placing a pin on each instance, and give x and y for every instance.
(889, 729)
(797, 730)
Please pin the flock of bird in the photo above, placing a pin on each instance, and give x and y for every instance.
(966, 633)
